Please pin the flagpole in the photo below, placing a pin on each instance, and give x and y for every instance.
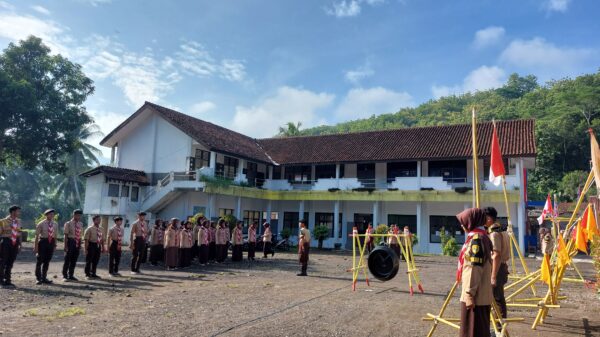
(475, 161)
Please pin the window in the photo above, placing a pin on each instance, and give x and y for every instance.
(327, 171)
(125, 191)
(276, 172)
(326, 219)
(230, 166)
(401, 169)
(366, 174)
(487, 163)
(251, 216)
(202, 159)
(403, 220)
(449, 223)
(453, 171)
(113, 190)
(225, 211)
(298, 174)
(291, 219)
(362, 220)
(135, 193)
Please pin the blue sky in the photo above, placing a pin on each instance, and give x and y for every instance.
(253, 65)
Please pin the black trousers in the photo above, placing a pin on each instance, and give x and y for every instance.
(71, 256)
(8, 255)
(203, 254)
(156, 254)
(212, 251)
(251, 250)
(267, 249)
(195, 250)
(139, 246)
(501, 280)
(114, 258)
(237, 254)
(44, 255)
(303, 252)
(92, 258)
(220, 256)
(185, 257)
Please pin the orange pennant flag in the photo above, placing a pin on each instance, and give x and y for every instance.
(595, 156)
(562, 254)
(545, 270)
(592, 226)
(581, 232)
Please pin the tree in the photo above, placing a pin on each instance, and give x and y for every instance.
(321, 233)
(290, 129)
(41, 102)
(70, 186)
(517, 86)
(572, 183)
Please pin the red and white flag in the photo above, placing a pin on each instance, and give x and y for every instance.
(547, 210)
(496, 165)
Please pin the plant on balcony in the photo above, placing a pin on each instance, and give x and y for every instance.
(232, 220)
(449, 246)
(286, 233)
(321, 233)
(381, 229)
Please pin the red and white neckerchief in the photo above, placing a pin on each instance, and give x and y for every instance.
(239, 236)
(119, 238)
(50, 231)
(463, 250)
(161, 236)
(189, 235)
(205, 237)
(368, 232)
(252, 235)
(14, 228)
(77, 234)
(98, 236)
(143, 230)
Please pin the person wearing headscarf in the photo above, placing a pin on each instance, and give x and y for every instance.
(237, 241)
(212, 245)
(171, 245)
(252, 240)
(186, 241)
(475, 273)
(203, 237)
(157, 241)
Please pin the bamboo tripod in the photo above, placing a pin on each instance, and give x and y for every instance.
(495, 315)
(359, 260)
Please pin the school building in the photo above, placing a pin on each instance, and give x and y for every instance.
(170, 164)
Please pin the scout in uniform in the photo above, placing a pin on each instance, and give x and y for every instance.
(195, 250)
(171, 245)
(212, 245)
(157, 241)
(94, 245)
(393, 240)
(370, 240)
(185, 245)
(500, 256)
(303, 247)
(10, 244)
(72, 245)
(251, 241)
(266, 238)
(44, 245)
(475, 273)
(220, 241)
(203, 243)
(137, 242)
(115, 243)
(237, 241)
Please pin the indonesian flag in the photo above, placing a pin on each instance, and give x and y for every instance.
(595, 157)
(496, 164)
(547, 210)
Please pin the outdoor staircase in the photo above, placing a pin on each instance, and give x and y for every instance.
(169, 189)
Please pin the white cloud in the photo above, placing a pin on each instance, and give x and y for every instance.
(6, 5)
(286, 105)
(200, 108)
(480, 79)
(107, 121)
(349, 8)
(362, 103)
(488, 36)
(557, 5)
(18, 27)
(96, 3)
(356, 75)
(41, 10)
(195, 59)
(546, 59)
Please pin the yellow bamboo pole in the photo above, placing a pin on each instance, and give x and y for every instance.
(439, 318)
(475, 161)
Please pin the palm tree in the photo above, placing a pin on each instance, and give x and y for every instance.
(290, 129)
(70, 185)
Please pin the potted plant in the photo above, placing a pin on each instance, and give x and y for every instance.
(321, 233)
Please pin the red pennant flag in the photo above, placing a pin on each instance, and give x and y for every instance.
(547, 210)
(496, 165)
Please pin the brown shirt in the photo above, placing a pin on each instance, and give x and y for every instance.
(93, 234)
(45, 227)
(139, 228)
(501, 245)
(195, 234)
(71, 228)
(476, 277)
(171, 238)
(202, 236)
(236, 237)
(268, 235)
(113, 234)
(6, 226)
(186, 239)
(157, 237)
(304, 236)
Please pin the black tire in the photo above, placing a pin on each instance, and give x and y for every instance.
(383, 263)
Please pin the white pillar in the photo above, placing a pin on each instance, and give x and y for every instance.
(238, 208)
(521, 206)
(419, 174)
(301, 210)
(112, 156)
(313, 173)
(270, 172)
(375, 213)
(336, 220)
(212, 161)
(210, 207)
(269, 206)
(421, 229)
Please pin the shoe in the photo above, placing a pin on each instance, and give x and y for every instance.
(117, 274)
(73, 278)
(134, 273)
(66, 279)
(88, 278)
(47, 281)
(8, 284)
(38, 282)
(301, 274)
(96, 276)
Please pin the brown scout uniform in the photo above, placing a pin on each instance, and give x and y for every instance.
(10, 242)
(500, 245)
(304, 249)
(115, 241)
(72, 231)
(46, 232)
(139, 232)
(171, 247)
(94, 242)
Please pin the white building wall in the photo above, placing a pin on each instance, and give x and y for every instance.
(136, 149)
(172, 148)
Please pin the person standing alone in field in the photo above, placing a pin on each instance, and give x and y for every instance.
(115, 241)
(303, 247)
(137, 242)
(72, 245)
(10, 244)
(44, 245)
(267, 237)
(94, 245)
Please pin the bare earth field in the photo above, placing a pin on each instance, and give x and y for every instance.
(263, 298)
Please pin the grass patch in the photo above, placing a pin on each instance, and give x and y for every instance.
(70, 312)
(233, 285)
(33, 312)
(197, 276)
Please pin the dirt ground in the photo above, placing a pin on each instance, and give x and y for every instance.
(263, 298)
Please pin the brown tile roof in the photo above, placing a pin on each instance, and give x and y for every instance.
(120, 174)
(517, 138)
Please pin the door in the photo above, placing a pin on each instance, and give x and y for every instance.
(366, 174)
